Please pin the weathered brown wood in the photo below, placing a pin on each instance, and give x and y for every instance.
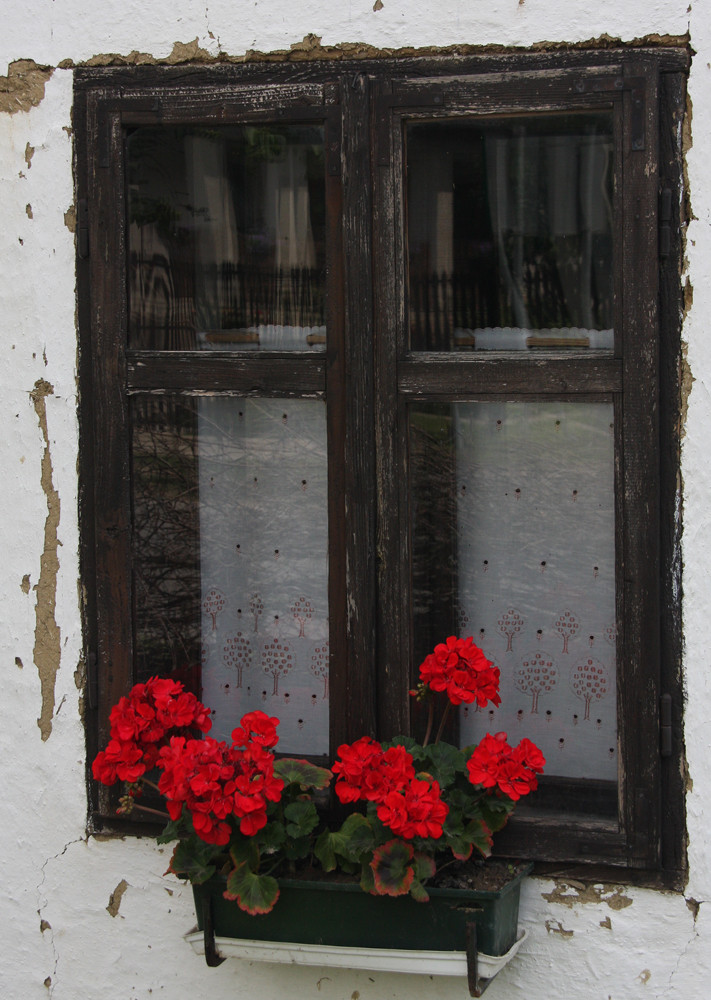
(638, 683)
(455, 376)
(269, 373)
(359, 446)
(110, 476)
(393, 548)
(672, 110)
(339, 669)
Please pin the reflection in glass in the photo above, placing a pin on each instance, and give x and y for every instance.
(226, 238)
(510, 233)
(231, 557)
(513, 544)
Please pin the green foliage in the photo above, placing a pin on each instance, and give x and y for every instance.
(194, 859)
(253, 893)
(302, 773)
(393, 872)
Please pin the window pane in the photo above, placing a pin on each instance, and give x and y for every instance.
(231, 558)
(513, 527)
(226, 238)
(510, 233)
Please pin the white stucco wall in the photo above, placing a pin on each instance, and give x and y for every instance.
(59, 940)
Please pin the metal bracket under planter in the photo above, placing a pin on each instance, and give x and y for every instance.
(479, 968)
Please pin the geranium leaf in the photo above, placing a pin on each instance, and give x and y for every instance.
(480, 836)
(392, 871)
(367, 880)
(254, 893)
(425, 866)
(325, 850)
(244, 849)
(272, 836)
(446, 761)
(461, 842)
(297, 848)
(171, 831)
(193, 859)
(302, 772)
(302, 817)
(418, 891)
(357, 837)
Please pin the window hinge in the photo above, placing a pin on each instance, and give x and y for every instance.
(665, 725)
(665, 218)
(83, 228)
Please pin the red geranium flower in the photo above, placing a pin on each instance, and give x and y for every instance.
(494, 764)
(460, 668)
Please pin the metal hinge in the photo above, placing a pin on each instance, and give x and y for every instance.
(665, 725)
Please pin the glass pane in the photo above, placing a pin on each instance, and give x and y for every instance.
(513, 528)
(226, 238)
(231, 557)
(510, 233)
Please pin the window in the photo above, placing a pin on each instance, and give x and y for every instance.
(373, 353)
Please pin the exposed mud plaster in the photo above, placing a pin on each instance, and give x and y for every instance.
(310, 47)
(555, 927)
(116, 897)
(573, 893)
(378, 5)
(606, 923)
(28, 209)
(29, 153)
(25, 585)
(694, 906)
(686, 379)
(18, 663)
(23, 87)
(686, 144)
(45, 926)
(47, 649)
(644, 976)
(70, 219)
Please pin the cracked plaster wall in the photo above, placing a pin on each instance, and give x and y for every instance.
(90, 917)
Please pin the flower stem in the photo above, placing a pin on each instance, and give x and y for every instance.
(154, 812)
(430, 720)
(438, 737)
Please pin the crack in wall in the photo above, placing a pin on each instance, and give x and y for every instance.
(694, 906)
(47, 648)
(45, 927)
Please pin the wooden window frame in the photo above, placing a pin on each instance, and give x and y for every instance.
(363, 106)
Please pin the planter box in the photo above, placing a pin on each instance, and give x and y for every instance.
(458, 932)
(340, 914)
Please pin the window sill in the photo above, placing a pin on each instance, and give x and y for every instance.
(431, 963)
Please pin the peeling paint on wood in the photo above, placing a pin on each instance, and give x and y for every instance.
(47, 648)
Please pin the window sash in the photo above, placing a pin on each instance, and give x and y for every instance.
(367, 357)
